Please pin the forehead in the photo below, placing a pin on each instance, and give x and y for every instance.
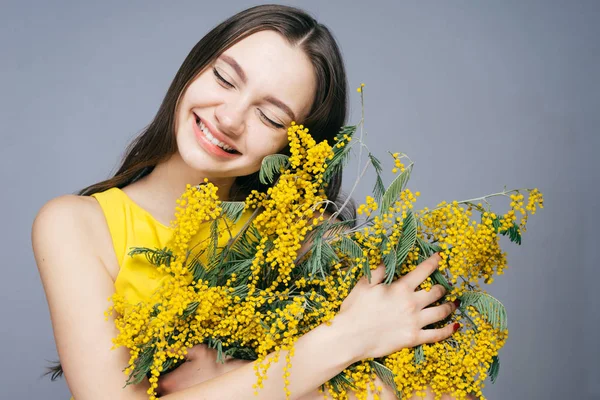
(274, 68)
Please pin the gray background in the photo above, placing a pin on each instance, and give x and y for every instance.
(480, 94)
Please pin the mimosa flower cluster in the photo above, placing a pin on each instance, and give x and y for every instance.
(281, 263)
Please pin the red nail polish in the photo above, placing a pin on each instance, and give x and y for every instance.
(457, 303)
(455, 327)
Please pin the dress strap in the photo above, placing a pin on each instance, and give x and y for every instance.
(113, 205)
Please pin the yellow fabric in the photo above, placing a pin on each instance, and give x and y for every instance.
(132, 226)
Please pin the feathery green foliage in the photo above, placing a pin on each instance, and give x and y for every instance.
(389, 259)
(494, 369)
(393, 191)
(386, 375)
(340, 154)
(353, 251)
(419, 354)
(154, 256)
(408, 237)
(341, 382)
(272, 165)
(488, 306)
(233, 210)
(379, 188)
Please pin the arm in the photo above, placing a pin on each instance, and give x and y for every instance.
(365, 297)
(324, 347)
(77, 285)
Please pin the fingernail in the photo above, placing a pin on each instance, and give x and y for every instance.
(457, 303)
(455, 327)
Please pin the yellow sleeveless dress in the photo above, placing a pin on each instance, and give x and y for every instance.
(132, 226)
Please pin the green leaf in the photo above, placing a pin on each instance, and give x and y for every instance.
(328, 255)
(142, 365)
(419, 354)
(168, 364)
(340, 154)
(271, 166)
(386, 375)
(213, 243)
(494, 369)
(245, 246)
(389, 259)
(439, 279)
(241, 268)
(329, 229)
(487, 306)
(321, 257)
(217, 345)
(190, 309)
(314, 264)
(241, 291)
(154, 256)
(199, 272)
(514, 233)
(341, 381)
(379, 188)
(407, 239)
(392, 193)
(233, 210)
(496, 224)
(426, 248)
(376, 163)
(350, 248)
(353, 251)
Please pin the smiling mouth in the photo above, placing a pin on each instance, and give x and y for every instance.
(214, 140)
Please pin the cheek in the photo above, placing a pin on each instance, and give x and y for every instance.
(270, 145)
(268, 142)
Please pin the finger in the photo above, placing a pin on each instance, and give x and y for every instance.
(437, 335)
(425, 298)
(436, 314)
(415, 277)
(377, 276)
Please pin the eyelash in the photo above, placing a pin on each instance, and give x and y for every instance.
(222, 80)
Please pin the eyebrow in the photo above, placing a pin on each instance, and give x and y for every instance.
(273, 100)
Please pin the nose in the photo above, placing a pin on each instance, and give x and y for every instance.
(230, 118)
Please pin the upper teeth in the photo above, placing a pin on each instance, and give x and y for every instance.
(211, 138)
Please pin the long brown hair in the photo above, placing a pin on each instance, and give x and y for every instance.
(327, 115)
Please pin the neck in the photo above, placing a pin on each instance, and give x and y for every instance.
(167, 181)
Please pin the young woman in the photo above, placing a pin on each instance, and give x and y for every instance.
(228, 107)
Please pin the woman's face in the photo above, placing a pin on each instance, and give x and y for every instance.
(238, 109)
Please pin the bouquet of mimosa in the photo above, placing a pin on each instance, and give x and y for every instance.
(288, 269)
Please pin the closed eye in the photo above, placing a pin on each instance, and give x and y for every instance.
(262, 115)
(275, 124)
(221, 79)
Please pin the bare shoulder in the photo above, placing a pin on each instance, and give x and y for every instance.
(77, 284)
(83, 208)
(64, 218)
(72, 222)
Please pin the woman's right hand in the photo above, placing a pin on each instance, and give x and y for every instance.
(387, 318)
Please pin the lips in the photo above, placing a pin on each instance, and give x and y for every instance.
(213, 141)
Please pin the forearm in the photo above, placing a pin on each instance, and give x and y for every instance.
(318, 356)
